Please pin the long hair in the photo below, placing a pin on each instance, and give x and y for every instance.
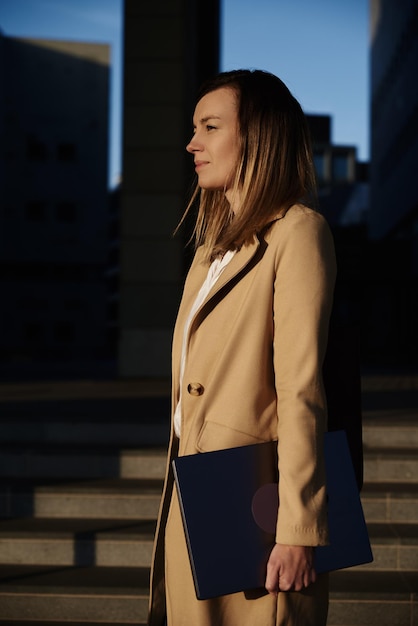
(275, 169)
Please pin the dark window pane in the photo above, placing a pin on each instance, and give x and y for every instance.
(33, 332)
(35, 211)
(66, 212)
(64, 331)
(66, 152)
(36, 150)
(340, 167)
(319, 163)
(73, 304)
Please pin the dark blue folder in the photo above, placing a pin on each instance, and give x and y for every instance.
(228, 499)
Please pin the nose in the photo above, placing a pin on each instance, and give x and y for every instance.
(194, 145)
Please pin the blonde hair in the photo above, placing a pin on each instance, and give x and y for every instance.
(275, 169)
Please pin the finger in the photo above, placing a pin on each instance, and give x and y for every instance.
(272, 581)
(298, 585)
(309, 576)
(273, 590)
(285, 584)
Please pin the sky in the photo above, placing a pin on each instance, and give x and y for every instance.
(319, 48)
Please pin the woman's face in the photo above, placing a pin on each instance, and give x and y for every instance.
(215, 142)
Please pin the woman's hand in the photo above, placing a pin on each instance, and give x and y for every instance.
(289, 568)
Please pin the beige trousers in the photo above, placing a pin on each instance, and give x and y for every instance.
(256, 608)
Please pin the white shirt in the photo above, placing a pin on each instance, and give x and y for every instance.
(215, 270)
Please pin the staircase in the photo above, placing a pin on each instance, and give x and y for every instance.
(385, 592)
(81, 467)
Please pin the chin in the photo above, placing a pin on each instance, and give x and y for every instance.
(209, 187)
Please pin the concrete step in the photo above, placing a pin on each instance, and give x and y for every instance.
(30, 622)
(389, 399)
(393, 462)
(76, 406)
(383, 429)
(88, 499)
(84, 389)
(362, 598)
(139, 499)
(66, 461)
(128, 543)
(74, 595)
(390, 502)
(86, 432)
(118, 413)
(394, 546)
(63, 542)
(390, 429)
(119, 596)
(391, 465)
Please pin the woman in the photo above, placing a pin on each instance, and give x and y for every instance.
(249, 343)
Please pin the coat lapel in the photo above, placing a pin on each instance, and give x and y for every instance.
(238, 262)
(198, 273)
(194, 281)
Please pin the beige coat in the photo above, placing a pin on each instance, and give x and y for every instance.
(253, 371)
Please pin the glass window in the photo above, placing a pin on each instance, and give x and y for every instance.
(319, 163)
(36, 150)
(35, 211)
(73, 304)
(66, 212)
(33, 332)
(66, 152)
(340, 167)
(64, 331)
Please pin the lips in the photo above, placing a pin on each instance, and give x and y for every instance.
(199, 164)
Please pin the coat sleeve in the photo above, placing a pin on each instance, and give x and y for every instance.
(303, 291)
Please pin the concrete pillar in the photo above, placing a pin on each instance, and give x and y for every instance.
(170, 46)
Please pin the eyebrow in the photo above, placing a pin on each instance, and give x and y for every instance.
(205, 119)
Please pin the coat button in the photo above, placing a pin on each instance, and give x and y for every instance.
(195, 389)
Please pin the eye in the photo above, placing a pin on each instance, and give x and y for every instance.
(209, 127)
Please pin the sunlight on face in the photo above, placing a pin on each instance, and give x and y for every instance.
(215, 142)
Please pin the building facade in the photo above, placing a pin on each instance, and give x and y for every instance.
(394, 116)
(170, 48)
(53, 200)
(393, 223)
